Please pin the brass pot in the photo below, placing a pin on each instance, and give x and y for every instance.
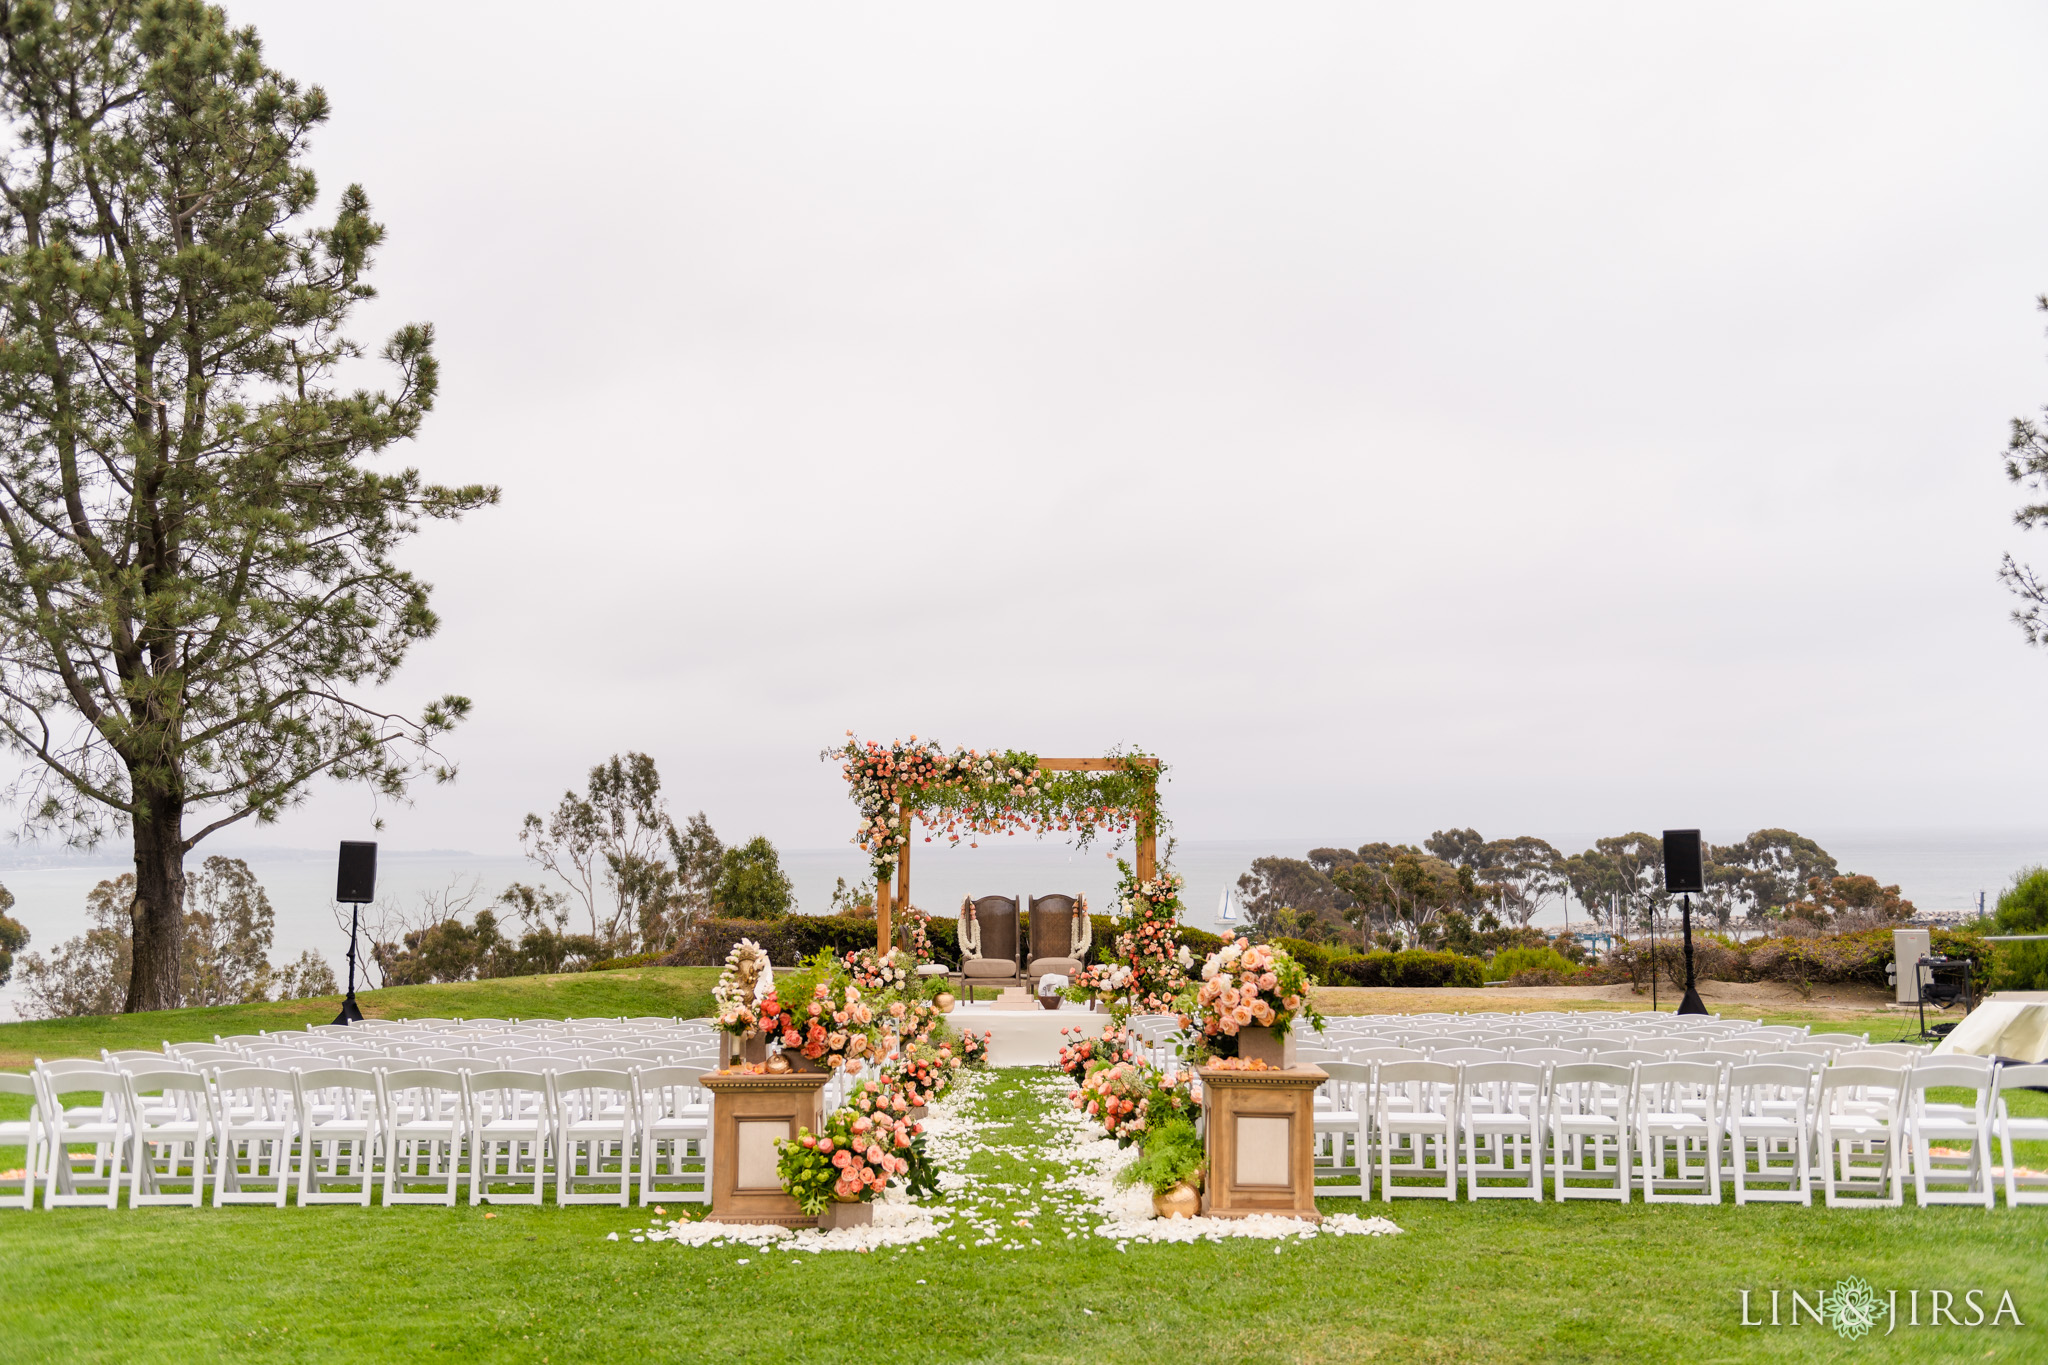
(778, 1064)
(1182, 1201)
(944, 1002)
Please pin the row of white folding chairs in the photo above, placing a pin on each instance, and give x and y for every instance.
(1680, 1129)
(262, 1130)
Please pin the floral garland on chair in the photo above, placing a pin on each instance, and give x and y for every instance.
(970, 931)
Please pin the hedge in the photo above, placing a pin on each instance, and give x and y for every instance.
(795, 937)
(1414, 967)
(1815, 960)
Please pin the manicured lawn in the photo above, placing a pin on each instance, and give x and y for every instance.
(1497, 1281)
(670, 991)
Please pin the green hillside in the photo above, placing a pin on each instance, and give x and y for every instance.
(677, 991)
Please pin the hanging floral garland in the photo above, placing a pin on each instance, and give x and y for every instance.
(966, 793)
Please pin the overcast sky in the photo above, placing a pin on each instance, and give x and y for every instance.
(1531, 417)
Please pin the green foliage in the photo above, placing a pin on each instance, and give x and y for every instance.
(615, 964)
(2023, 906)
(612, 845)
(1508, 961)
(225, 948)
(1170, 1153)
(2022, 909)
(1412, 967)
(751, 883)
(1318, 959)
(684, 992)
(13, 936)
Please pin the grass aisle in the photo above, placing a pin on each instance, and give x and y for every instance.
(1499, 1281)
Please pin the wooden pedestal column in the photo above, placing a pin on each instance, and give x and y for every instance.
(1262, 1142)
(748, 1113)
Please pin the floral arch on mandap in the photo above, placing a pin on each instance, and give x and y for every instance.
(961, 793)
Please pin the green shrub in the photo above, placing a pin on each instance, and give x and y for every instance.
(613, 964)
(2022, 909)
(1414, 967)
(1319, 960)
(1509, 961)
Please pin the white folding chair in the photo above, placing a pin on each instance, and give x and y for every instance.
(1590, 1119)
(674, 1128)
(593, 1126)
(169, 1137)
(1768, 1111)
(1859, 1130)
(2021, 1186)
(340, 1127)
(1959, 1177)
(255, 1124)
(1347, 1124)
(508, 1135)
(24, 1133)
(1415, 1119)
(423, 1111)
(78, 1179)
(1500, 1108)
(1678, 1106)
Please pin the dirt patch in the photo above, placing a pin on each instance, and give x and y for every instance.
(1733, 998)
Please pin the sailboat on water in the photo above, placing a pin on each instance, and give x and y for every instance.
(1230, 910)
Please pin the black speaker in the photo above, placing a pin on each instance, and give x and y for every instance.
(356, 882)
(1684, 870)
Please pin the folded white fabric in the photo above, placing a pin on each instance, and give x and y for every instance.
(1052, 983)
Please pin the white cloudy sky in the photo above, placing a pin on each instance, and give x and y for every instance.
(1537, 417)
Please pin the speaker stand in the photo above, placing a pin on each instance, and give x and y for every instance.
(1691, 1004)
(351, 1013)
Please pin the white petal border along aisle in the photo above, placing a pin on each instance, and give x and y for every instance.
(1018, 1184)
(1093, 1160)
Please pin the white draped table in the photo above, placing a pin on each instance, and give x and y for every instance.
(1026, 1037)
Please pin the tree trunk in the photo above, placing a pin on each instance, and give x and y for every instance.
(158, 915)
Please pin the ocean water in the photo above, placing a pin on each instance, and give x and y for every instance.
(1936, 869)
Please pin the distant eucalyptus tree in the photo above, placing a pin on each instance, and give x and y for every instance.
(2026, 463)
(198, 567)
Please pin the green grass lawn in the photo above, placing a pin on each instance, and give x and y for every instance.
(1497, 1281)
(672, 991)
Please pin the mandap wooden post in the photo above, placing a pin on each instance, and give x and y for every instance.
(902, 880)
(882, 911)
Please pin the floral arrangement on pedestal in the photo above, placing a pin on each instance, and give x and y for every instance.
(1148, 969)
(1251, 985)
(852, 1159)
(876, 972)
(836, 1033)
(1086, 1050)
(743, 983)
